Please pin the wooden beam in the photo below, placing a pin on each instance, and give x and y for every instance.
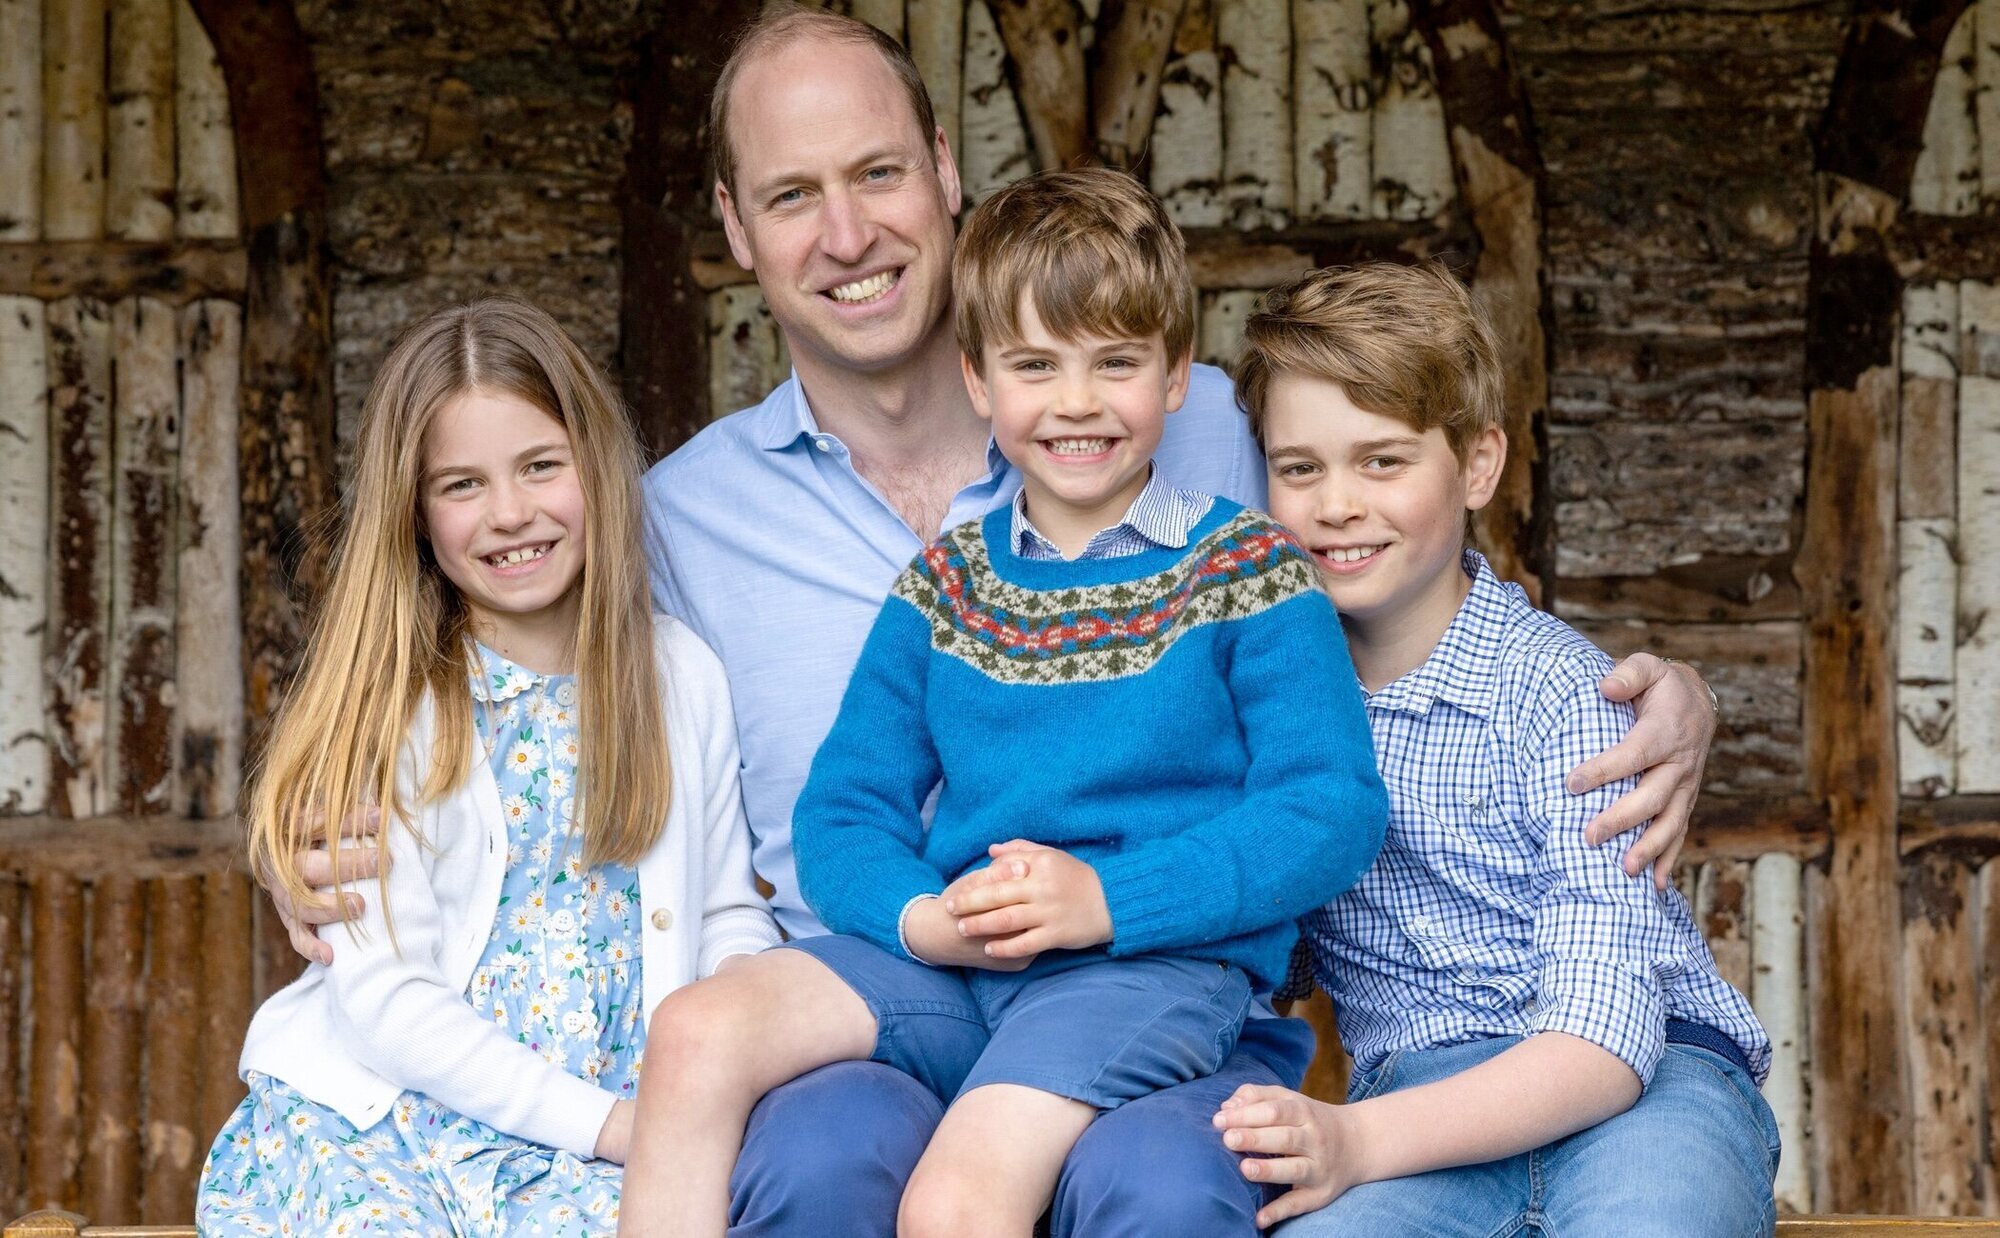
(1712, 589)
(1729, 827)
(110, 270)
(142, 847)
(1045, 53)
(1125, 68)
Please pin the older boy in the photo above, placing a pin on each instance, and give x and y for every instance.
(1528, 1023)
(1144, 681)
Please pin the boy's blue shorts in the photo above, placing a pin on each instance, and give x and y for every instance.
(1075, 1023)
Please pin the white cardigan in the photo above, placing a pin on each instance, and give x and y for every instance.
(355, 1034)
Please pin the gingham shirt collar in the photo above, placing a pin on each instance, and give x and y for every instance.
(1160, 518)
(1461, 670)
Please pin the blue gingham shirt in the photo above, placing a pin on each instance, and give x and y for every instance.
(1160, 517)
(1486, 913)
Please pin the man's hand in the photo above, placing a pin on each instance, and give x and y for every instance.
(1033, 898)
(1667, 748)
(359, 861)
(932, 934)
(1302, 1142)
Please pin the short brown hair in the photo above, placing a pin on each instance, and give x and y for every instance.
(1095, 252)
(781, 25)
(1402, 341)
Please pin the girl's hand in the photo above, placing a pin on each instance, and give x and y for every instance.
(614, 1138)
(1303, 1141)
(1034, 898)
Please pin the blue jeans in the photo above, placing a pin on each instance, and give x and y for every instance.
(827, 1155)
(1695, 1155)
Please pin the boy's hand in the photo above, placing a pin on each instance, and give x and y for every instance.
(932, 935)
(1032, 898)
(1667, 747)
(1302, 1141)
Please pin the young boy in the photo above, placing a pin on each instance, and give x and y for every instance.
(1132, 714)
(1531, 1028)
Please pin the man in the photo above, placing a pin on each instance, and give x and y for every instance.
(781, 528)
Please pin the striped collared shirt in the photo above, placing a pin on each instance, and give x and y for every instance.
(1159, 518)
(1486, 913)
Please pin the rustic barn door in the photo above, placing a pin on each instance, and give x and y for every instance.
(127, 968)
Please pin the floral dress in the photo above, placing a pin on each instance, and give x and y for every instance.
(561, 971)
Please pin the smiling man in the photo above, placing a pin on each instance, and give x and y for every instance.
(781, 528)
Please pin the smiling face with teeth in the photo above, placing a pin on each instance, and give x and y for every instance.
(1382, 507)
(1080, 418)
(843, 208)
(503, 512)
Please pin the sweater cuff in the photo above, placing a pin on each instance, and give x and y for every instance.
(738, 931)
(1146, 891)
(572, 1117)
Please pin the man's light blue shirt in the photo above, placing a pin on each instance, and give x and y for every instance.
(778, 554)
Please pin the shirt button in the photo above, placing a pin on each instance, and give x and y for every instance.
(663, 919)
(822, 444)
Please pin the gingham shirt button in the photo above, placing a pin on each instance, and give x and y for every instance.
(663, 919)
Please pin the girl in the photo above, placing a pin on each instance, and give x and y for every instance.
(563, 840)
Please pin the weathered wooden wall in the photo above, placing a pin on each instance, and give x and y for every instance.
(166, 437)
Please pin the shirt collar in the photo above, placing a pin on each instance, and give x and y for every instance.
(1464, 669)
(1153, 515)
(497, 679)
(788, 418)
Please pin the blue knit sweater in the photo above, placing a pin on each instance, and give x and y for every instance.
(1185, 721)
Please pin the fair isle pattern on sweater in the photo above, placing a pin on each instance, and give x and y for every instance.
(1083, 633)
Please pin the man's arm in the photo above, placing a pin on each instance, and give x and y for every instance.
(1667, 748)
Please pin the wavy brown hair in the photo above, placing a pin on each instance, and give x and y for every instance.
(391, 628)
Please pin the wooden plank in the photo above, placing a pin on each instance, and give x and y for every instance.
(24, 554)
(208, 619)
(744, 349)
(996, 141)
(226, 1002)
(1185, 161)
(1777, 992)
(1713, 589)
(20, 123)
(55, 1054)
(1979, 327)
(79, 363)
(1988, 1046)
(1946, 181)
(205, 199)
(1977, 667)
(139, 155)
(1723, 911)
(273, 962)
(1412, 155)
(1940, 1003)
(1741, 827)
(141, 847)
(884, 15)
(13, 1044)
(53, 270)
(1255, 43)
(111, 1038)
(1880, 1227)
(1219, 331)
(1044, 42)
(1985, 15)
(1333, 96)
(1126, 65)
(174, 1136)
(937, 44)
(1927, 446)
(73, 120)
(1327, 1076)
(1844, 574)
(145, 443)
(1926, 639)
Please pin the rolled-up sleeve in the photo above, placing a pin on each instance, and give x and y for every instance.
(1605, 950)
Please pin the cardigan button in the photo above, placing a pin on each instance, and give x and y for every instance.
(663, 919)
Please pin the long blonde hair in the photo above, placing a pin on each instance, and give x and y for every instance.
(391, 627)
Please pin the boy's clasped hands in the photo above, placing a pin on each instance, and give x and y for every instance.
(1030, 899)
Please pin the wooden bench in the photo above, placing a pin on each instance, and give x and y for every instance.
(70, 1225)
